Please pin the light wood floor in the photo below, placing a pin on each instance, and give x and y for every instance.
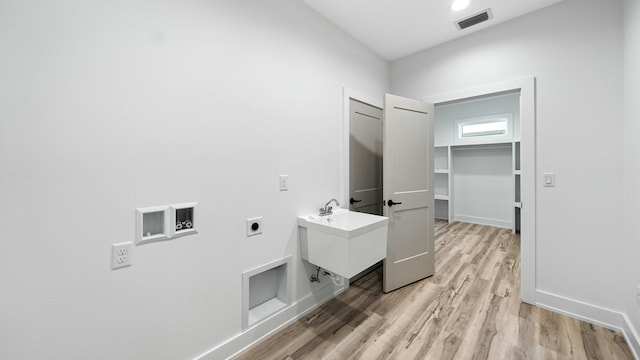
(470, 309)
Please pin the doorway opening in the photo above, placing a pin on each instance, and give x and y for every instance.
(365, 158)
(366, 195)
(524, 209)
(477, 157)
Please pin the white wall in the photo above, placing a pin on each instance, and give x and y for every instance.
(483, 185)
(574, 49)
(631, 242)
(109, 106)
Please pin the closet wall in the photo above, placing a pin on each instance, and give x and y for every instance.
(477, 180)
(482, 184)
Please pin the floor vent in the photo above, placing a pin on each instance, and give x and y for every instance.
(474, 19)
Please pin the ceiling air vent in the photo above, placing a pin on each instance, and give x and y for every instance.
(474, 19)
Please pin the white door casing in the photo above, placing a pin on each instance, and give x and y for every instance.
(408, 190)
(527, 87)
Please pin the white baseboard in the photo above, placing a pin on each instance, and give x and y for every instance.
(632, 336)
(594, 314)
(507, 224)
(255, 334)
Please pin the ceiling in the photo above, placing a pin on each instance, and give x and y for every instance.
(397, 28)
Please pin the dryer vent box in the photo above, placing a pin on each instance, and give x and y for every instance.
(265, 291)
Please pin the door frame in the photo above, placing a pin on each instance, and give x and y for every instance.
(348, 93)
(527, 87)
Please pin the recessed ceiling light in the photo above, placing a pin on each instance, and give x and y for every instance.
(458, 5)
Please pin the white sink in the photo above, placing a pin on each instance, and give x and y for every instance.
(345, 243)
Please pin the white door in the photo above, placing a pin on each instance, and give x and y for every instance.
(408, 190)
(365, 158)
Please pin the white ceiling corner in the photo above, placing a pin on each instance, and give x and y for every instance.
(397, 28)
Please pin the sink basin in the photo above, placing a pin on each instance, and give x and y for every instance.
(345, 243)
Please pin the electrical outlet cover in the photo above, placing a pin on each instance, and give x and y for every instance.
(121, 255)
(254, 226)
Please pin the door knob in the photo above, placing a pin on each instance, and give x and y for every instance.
(391, 203)
(353, 201)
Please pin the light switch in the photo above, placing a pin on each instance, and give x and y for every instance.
(549, 179)
(284, 182)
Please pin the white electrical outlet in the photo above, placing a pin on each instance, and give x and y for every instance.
(254, 226)
(121, 255)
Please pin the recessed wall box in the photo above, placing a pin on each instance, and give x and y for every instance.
(183, 219)
(152, 224)
(265, 291)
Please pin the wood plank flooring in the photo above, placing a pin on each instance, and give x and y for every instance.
(470, 309)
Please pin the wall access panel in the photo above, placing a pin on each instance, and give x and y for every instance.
(152, 224)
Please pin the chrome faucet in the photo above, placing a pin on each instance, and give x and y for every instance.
(328, 210)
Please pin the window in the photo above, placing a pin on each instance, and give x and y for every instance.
(491, 127)
(483, 129)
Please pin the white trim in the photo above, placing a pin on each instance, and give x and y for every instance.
(594, 314)
(482, 146)
(259, 332)
(526, 86)
(576, 309)
(632, 336)
(472, 100)
(507, 224)
(348, 93)
(362, 97)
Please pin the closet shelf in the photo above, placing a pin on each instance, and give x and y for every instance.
(460, 181)
(480, 144)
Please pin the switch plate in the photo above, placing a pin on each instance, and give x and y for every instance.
(121, 255)
(549, 179)
(638, 294)
(254, 226)
(284, 182)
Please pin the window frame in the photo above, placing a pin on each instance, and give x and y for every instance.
(492, 138)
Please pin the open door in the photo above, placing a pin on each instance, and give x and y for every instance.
(408, 190)
(365, 158)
